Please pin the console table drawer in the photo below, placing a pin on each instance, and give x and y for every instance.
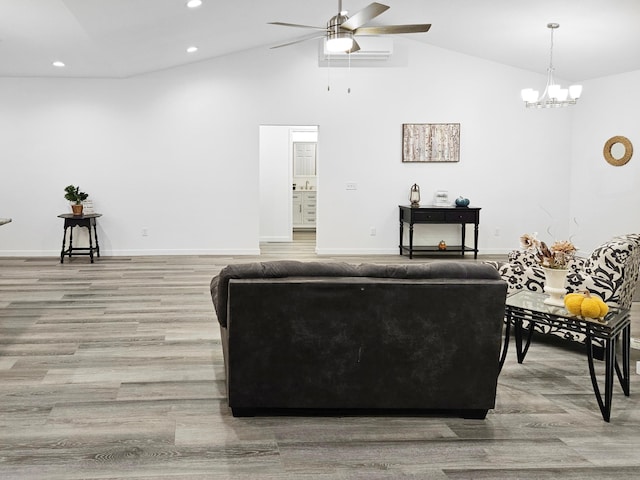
(461, 216)
(419, 217)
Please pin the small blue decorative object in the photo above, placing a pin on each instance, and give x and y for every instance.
(462, 202)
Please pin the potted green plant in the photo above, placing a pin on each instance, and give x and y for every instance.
(76, 197)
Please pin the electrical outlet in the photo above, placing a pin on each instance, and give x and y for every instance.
(496, 232)
(352, 186)
(372, 231)
(145, 232)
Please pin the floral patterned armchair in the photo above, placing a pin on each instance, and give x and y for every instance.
(610, 271)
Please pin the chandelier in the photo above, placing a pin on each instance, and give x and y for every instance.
(554, 95)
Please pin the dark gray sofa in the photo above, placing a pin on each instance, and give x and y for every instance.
(333, 336)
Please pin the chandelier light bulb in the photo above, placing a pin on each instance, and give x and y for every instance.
(529, 95)
(563, 93)
(575, 91)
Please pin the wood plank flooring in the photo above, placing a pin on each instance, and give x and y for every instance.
(114, 371)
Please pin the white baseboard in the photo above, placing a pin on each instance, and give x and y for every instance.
(134, 253)
(157, 252)
(276, 239)
(357, 251)
(30, 253)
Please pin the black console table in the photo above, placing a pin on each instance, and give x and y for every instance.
(88, 221)
(433, 214)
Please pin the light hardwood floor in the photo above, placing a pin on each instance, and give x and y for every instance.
(114, 371)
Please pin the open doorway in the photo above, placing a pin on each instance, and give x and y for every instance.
(289, 185)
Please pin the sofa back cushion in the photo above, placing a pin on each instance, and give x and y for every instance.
(292, 268)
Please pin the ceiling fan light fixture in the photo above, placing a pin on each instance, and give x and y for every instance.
(194, 3)
(554, 95)
(339, 42)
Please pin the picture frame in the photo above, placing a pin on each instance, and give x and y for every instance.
(430, 142)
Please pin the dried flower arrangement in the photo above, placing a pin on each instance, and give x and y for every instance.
(558, 256)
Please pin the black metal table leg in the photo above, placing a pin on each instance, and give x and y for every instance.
(505, 345)
(521, 351)
(623, 376)
(609, 353)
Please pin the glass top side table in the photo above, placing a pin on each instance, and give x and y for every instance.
(527, 307)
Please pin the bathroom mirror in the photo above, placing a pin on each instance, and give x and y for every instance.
(617, 150)
(304, 159)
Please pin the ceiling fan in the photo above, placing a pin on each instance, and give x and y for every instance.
(341, 29)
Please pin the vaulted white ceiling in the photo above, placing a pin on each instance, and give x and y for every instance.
(123, 38)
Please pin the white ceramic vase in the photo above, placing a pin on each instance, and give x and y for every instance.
(555, 285)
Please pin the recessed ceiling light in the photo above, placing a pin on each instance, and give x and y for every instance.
(58, 64)
(192, 49)
(194, 3)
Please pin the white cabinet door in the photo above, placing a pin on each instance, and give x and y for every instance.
(298, 218)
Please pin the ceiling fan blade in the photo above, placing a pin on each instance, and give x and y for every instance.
(299, 40)
(355, 47)
(283, 24)
(363, 16)
(391, 29)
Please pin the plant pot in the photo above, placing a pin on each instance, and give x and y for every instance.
(77, 209)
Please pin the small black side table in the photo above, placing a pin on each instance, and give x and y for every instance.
(88, 221)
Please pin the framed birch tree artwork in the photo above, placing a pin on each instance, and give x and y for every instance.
(430, 142)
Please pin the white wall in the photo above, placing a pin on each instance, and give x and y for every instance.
(275, 183)
(605, 198)
(176, 152)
